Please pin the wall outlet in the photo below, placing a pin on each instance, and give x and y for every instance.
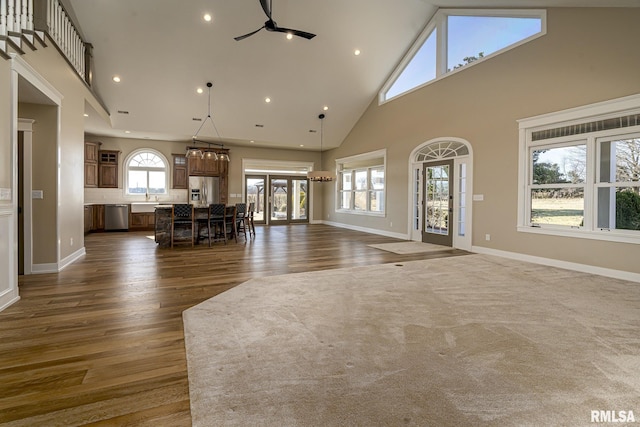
(71, 241)
(391, 224)
(487, 237)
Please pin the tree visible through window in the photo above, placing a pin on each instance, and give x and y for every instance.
(456, 38)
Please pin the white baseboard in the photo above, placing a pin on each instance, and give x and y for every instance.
(365, 230)
(51, 267)
(72, 258)
(607, 272)
(8, 298)
(57, 267)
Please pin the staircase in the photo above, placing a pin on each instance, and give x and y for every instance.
(26, 25)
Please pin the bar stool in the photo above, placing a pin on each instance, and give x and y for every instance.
(181, 214)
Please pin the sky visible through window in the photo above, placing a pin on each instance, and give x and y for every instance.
(470, 35)
(467, 36)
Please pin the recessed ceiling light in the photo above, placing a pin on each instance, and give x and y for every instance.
(199, 90)
(356, 52)
(86, 115)
(267, 100)
(207, 17)
(127, 131)
(325, 108)
(253, 142)
(301, 145)
(116, 79)
(289, 36)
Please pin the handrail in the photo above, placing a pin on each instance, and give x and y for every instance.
(48, 16)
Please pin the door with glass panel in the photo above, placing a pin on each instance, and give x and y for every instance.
(255, 191)
(438, 203)
(288, 199)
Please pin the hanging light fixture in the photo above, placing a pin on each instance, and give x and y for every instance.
(321, 175)
(208, 153)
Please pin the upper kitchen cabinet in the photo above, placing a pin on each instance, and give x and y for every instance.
(180, 173)
(207, 166)
(108, 168)
(91, 150)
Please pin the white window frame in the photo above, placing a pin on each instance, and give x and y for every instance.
(167, 171)
(600, 111)
(439, 24)
(361, 158)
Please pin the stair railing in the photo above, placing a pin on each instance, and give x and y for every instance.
(25, 19)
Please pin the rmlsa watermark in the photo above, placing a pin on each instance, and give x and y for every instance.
(612, 416)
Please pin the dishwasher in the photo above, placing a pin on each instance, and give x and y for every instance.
(116, 217)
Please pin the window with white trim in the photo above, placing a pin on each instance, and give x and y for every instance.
(455, 38)
(361, 183)
(581, 177)
(146, 173)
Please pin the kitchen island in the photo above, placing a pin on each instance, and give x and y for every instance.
(163, 225)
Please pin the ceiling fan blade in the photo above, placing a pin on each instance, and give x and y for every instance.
(247, 35)
(298, 33)
(266, 6)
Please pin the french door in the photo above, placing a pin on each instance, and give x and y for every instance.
(438, 203)
(255, 191)
(288, 202)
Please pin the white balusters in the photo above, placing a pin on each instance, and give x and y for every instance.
(30, 15)
(23, 15)
(3, 17)
(17, 16)
(16, 26)
(10, 19)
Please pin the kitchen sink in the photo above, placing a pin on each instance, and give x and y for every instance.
(139, 207)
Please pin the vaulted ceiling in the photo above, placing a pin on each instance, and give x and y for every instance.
(164, 50)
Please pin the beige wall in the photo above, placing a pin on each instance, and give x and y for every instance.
(5, 120)
(69, 157)
(588, 55)
(44, 178)
(167, 148)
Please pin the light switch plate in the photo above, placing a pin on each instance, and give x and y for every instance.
(5, 194)
(37, 194)
(478, 197)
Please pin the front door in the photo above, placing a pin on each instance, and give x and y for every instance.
(438, 203)
(288, 196)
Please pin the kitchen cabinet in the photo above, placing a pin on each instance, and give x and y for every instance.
(88, 219)
(207, 166)
(98, 218)
(108, 168)
(91, 150)
(180, 173)
(142, 221)
(93, 218)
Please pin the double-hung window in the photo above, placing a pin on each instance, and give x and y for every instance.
(580, 176)
(361, 183)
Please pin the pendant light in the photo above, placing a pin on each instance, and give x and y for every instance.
(208, 153)
(321, 175)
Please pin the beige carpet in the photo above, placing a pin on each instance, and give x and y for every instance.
(406, 248)
(462, 341)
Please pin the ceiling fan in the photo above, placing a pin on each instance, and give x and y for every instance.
(271, 25)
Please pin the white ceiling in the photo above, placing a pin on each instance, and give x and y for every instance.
(163, 50)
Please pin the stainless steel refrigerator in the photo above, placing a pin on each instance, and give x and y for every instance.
(204, 190)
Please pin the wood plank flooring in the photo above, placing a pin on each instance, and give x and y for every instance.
(102, 343)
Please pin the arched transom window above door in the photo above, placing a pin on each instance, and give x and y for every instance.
(442, 150)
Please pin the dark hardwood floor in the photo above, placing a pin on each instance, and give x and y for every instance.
(102, 342)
